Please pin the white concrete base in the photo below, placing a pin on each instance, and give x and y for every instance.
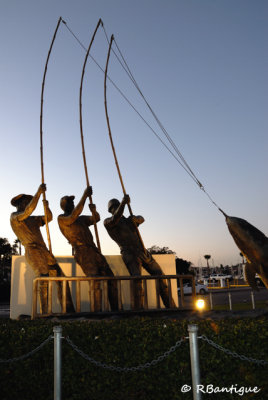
(22, 277)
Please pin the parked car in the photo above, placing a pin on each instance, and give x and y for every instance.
(259, 281)
(216, 277)
(199, 288)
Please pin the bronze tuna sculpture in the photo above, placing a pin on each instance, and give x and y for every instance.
(253, 245)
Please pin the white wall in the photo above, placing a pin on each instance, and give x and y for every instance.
(22, 277)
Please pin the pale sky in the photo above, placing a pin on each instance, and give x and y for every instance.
(202, 66)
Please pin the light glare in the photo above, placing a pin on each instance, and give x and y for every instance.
(200, 304)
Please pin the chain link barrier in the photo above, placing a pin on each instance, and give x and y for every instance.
(10, 360)
(232, 353)
(141, 366)
(125, 369)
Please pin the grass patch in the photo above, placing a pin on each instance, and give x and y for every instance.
(241, 306)
(126, 343)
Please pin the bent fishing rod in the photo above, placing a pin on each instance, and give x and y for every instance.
(41, 134)
(111, 138)
(81, 129)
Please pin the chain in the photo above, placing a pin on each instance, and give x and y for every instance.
(28, 354)
(125, 369)
(233, 353)
(141, 366)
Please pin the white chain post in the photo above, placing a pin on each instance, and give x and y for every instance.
(211, 301)
(230, 301)
(194, 354)
(253, 300)
(57, 362)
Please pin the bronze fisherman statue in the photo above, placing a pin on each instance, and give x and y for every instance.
(75, 227)
(27, 228)
(124, 232)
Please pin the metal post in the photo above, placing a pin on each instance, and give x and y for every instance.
(57, 362)
(195, 368)
(230, 301)
(210, 300)
(253, 300)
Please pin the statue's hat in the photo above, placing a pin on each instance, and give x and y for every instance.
(112, 203)
(64, 200)
(16, 199)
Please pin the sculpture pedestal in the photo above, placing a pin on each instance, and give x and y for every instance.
(22, 277)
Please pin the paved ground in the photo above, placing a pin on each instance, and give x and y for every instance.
(4, 310)
(191, 315)
(238, 295)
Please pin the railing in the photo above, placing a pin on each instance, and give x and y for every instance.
(104, 291)
(217, 284)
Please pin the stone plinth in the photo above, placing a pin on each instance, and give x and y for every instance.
(22, 277)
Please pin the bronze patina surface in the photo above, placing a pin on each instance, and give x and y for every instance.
(27, 228)
(75, 228)
(123, 231)
(254, 245)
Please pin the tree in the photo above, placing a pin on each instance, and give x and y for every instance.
(16, 248)
(6, 251)
(207, 257)
(183, 266)
(160, 250)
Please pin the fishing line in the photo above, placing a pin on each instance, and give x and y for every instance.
(130, 75)
(132, 106)
(186, 165)
(178, 156)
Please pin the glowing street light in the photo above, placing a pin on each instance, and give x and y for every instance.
(200, 304)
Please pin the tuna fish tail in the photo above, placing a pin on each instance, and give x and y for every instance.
(264, 276)
(250, 272)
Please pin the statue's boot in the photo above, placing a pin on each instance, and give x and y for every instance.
(97, 296)
(43, 295)
(163, 289)
(113, 294)
(138, 294)
(54, 271)
(112, 286)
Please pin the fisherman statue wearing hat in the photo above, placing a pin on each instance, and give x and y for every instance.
(75, 228)
(27, 228)
(124, 232)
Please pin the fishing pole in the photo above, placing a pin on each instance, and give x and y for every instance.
(41, 135)
(111, 138)
(81, 130)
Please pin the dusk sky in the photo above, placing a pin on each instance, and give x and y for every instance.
(202, 66)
